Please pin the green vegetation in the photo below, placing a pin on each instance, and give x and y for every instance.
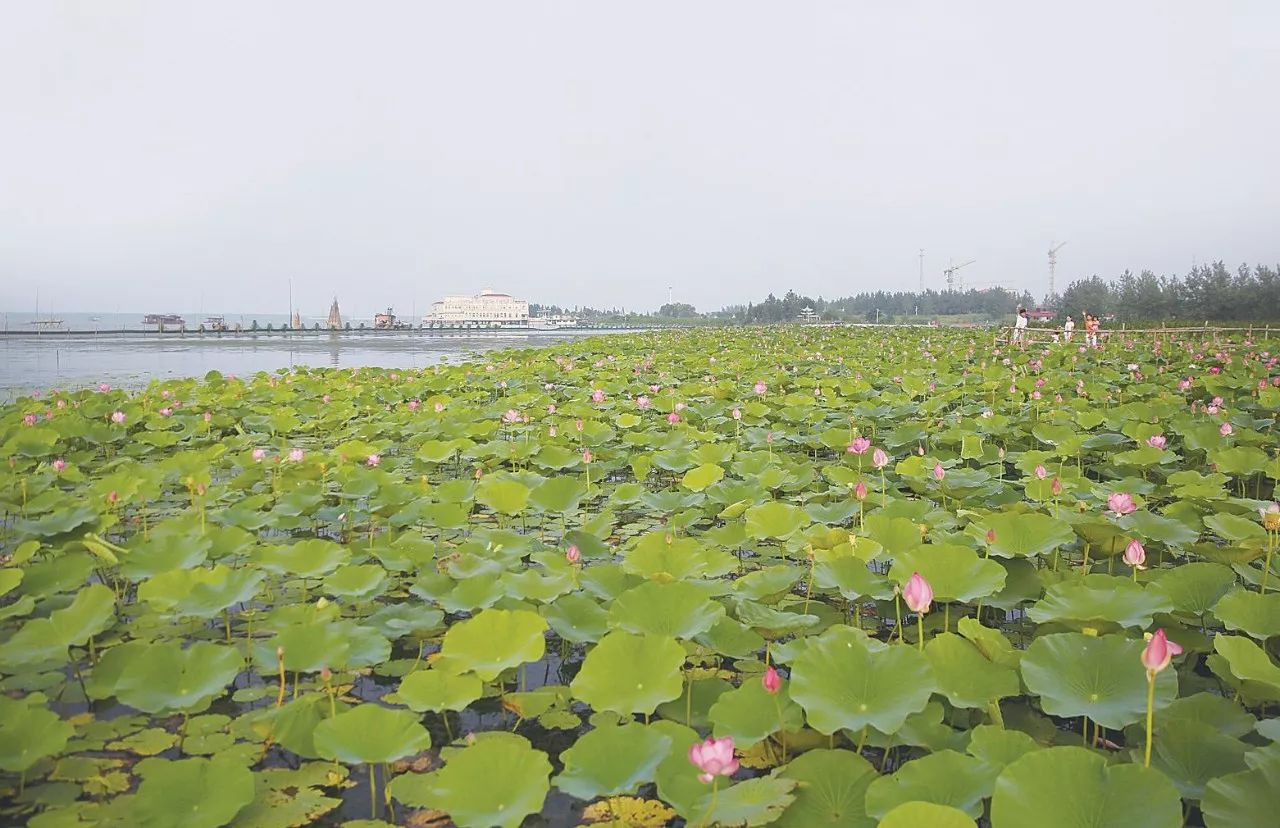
(897, 577)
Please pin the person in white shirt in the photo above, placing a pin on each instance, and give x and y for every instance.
(1020, 327)
(1069, 328)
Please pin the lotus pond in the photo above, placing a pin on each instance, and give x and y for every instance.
(896, 577)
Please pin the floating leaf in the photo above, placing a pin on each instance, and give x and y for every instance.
(612, 760)
(1101, 677)
(629, 673)
(370, 733)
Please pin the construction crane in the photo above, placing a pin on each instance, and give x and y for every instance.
(950, 273)
(1053, 266)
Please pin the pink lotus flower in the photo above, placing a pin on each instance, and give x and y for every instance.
(1134, 555)
(1121, 503)
(1056, 487)
(597, 396)
(113, 497)
(1270, 515)
(860, 491)
(991, 536)
(103, 387)
(117, 417)
(207, 416)
(737, 414)
(551, 409)
(771, 681)
(259, 454)
(859, 445)
(760, 387)
(1159, 652)
(296, 455)
(511, 417)
(655, 388)
(413, 405)
(673, 418)
(572, 554)
(1041, 471)
(374, 460)
(587, 456)
(438, 407)
(326, 398)
(578, 425)
(879, 459)
(1225, 429)
(1157, 441)
(939, 472)
(165, 412)
(643, 402)
(59, 465)
(714, 757)
(29, 419)
(917, 593)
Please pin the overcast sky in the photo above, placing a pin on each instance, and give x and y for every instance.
(185, 156)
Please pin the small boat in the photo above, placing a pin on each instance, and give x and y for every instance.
(164, 319)
(215, 323)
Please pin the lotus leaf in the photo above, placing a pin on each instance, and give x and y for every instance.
(844, 683)
(1251, 612)
(1098, 599)
(831, 789)
(609, 761)
(965, 676)
(370, 733)
(492, 641)
(43, 639)
(166, 677)
(498, 781)
(629, 673)
(1249, 664)
(201, 793)
(955, 573)
(1101, 677)
(437, 690)
(943, 778)
(29, 733)
(915, 814)
(679, 610)
(749, 714)
(200, 592)
(1026, 534)
(1070, 787)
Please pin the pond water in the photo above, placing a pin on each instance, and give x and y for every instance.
(38, 363)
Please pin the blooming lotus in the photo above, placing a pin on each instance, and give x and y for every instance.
(1225, 429)
(859, 445)
(1041, 472)
(259, 454)
(438, 407)
(1157, 441)
(643, 402)
(1159, 652)
(374, 460)
(511, 417)
(572, 554)
(714, 757)
(59, 465)
(117, 417)
(760, 387)
(597, 396)
(1121, 504)
(296, 455)
(29, 419)
(1271, 517)
(673, 418)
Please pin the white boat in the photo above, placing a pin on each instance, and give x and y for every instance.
(551, 323)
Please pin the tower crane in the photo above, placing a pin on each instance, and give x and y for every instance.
(1053, 266)
(950, 273)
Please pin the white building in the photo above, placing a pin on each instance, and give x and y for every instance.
(488, 309)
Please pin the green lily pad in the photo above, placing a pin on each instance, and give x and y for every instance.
(1195, 587)
(775, 519)
(369, 733)
(1096, 599)
(498, 781)
(965, 676)
(679, 610)
(700, 478)
(29, 733)
(44, 639)
(1070, 787)
(201, 793)
(831, 790)
(754, 802)
(943, 778)
(750, 714)
(510, 497)
(492, 641)
(999, 747)
(844, 680)
(166, 677)
(629, 673)
(1193, 753)
(609, 761)
(1246, 798)
(1026, 534)
(1249, 664)
(1101, 677)
(200, 592)
(919, 814)
(1250, 612)
(956, 573)
(437, 690)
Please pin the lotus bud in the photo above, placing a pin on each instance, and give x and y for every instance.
(1159, 652)
(771, 681)
(917, 594)
(860, 491)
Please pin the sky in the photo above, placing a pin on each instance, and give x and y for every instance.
(182, 156)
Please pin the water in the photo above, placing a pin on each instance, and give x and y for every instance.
(39, 363)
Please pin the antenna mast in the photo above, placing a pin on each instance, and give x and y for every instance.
(1053, 266)
(950, 273)
(922, 270)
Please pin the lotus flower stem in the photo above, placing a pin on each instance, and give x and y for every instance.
(448, 729)
(1151, 700)
(808, 589)
(280, 662)
(862, 740)
(897, 614)
(1266, 563)
(882, 489)
(715, 790)
(946, 616)
(1084, 565)
(373, 794)
(996, 714)
(688, 700)
(920, 626)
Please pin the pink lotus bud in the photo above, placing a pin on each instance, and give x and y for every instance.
(714, 757)
(760, 387)
(768, 438)
(859, 446)
(917, 593)
(1159, 652)
(1056, 487)
(59, 465)
(572, 554)
(578, 425)
(1135, 555)
(587, 456)
(991, 536)
(259, 454)
(879, 459)
(551, 431)
(939, 472)
(113, 497)
(771, 681)
(326, 398)
(673, 418)
(1225, 429)
(860, 491)
(374, 460)
(1041, 472)
(1121, 503)
(551, 409)
(737, 414)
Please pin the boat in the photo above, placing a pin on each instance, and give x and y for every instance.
(164, 320)
(215, 323)
(551, 323)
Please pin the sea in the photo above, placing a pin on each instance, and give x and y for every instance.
(105, 349)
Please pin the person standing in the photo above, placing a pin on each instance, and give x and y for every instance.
(1069, 328)
(1020, 327)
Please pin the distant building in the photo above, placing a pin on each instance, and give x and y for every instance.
(487, 309)
(1042, 315)
(808, 314)
(384, 321)
(335, 316)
